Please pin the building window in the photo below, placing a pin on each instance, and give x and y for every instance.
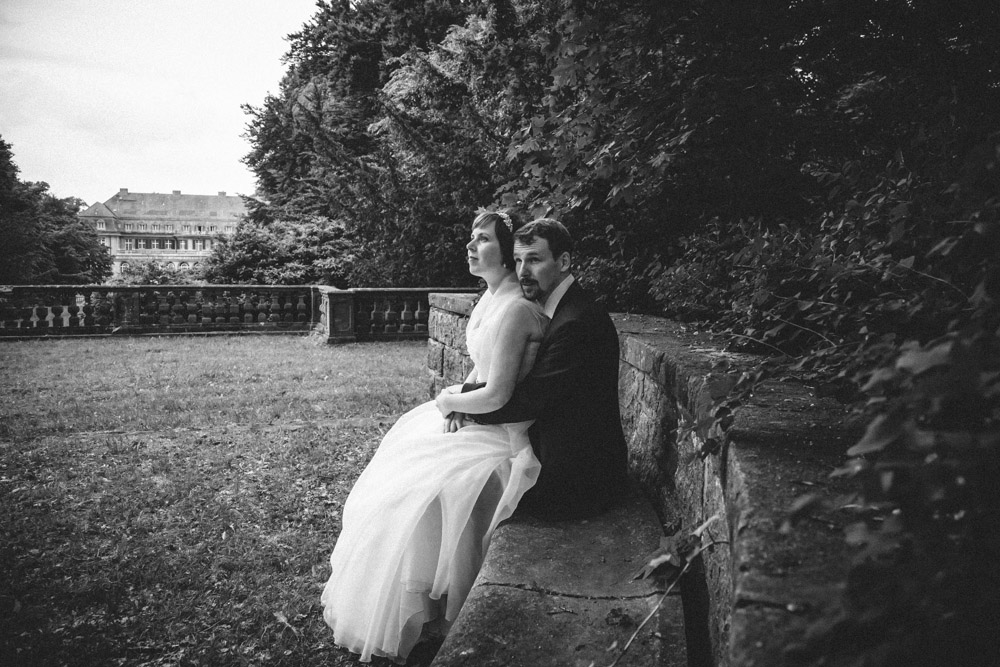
(229, 229)
(100, 224)
(140, 244)
(171, 244)
(212, 228)
(185, 228)
(124, 267)
(128, 226)
(200, 229)
(128, 244)
(184, 266)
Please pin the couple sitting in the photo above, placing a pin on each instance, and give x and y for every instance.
(536, 427)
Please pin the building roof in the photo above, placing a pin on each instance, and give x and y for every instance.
(153, 205)
(98, 210)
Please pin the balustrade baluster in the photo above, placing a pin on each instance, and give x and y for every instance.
(207, 309)
(178, 309)
(57, 314)
(275, 314)
(9, 316)
(73, 309)
(234, 309)
(102, 306)
(391, 316)
(246, 307)
(262, 305)
(406, 318)
(88, 310)
(222, 308)
(300, 309)
(42, 313)
(423, 310)
(189, 309)
(145, 306)
(163, 308)
(26, 313)
(377, 318)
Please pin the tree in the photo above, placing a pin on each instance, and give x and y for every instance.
(42, 241)
(282, 248)
(154, 273)
(336, 146)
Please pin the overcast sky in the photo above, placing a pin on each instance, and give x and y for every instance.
(97, 95)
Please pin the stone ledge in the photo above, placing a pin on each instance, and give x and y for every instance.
(461, 304)
(766, 586)
(751, 598)
(560, 593)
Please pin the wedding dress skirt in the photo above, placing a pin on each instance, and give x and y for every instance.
(416, 527)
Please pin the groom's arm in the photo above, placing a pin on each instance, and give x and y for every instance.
(549, 383)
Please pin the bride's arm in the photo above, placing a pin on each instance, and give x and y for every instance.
(518, 326)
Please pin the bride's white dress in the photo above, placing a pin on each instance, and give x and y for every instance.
(418, 521)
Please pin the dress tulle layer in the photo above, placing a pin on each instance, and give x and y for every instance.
(416, 527)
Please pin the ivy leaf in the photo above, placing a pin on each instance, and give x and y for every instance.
(669, 559)
(881, 432)
(917, 361)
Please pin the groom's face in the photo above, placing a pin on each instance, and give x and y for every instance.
(537, 270)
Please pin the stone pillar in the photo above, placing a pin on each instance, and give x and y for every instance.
(337, 315)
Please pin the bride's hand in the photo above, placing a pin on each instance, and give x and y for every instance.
(442, 400)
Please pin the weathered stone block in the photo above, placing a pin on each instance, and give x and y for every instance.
(435, 356)
(456, 366)
(460, 304)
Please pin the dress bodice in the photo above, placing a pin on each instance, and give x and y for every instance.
(484, 325)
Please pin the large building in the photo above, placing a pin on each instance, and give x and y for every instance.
(172, 230)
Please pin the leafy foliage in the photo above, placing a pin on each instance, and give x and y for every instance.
(153, 273)
(286, 251)
(42, 242)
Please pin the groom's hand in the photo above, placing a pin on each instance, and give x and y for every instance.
(454, 422)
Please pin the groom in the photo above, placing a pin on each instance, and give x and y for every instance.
(572, 390)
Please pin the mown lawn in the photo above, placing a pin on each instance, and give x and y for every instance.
(173, 501)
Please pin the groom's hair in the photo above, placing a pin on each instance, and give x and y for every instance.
(551, 230)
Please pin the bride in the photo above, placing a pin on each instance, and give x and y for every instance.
(418, 521)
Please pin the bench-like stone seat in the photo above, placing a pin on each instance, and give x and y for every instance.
(563, 593)
(752, 599)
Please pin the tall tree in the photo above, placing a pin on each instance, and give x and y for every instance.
(42, 241)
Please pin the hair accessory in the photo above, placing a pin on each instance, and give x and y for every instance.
(506, 220)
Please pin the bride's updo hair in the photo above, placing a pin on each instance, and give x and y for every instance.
(505, 223)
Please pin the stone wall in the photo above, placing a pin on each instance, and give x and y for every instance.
(754, 594)
(447, 356)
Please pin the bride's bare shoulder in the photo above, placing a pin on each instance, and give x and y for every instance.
(528, 314)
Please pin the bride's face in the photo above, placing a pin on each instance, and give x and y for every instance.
(484, 251)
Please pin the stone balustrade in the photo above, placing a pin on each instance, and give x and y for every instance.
(378, 314)
(28, 311)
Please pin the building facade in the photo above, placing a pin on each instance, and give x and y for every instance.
(173, 230)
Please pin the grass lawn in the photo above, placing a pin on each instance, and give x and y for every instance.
(173, 501)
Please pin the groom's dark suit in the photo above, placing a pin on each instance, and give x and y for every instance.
(572, 394)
